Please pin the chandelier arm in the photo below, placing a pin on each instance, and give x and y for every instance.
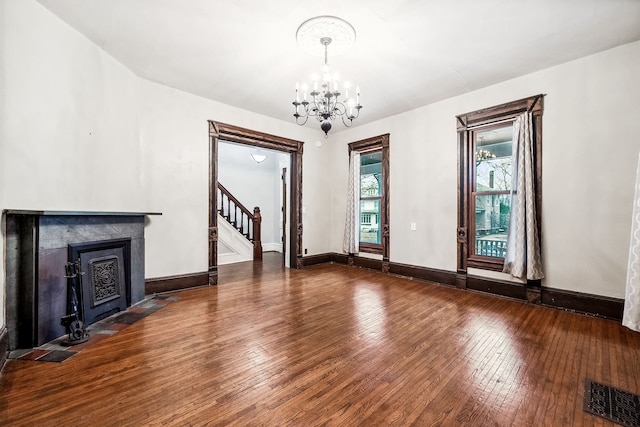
(340, 108)
(306, 117)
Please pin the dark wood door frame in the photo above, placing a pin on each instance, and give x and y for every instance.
(283, 209)
(225, 132)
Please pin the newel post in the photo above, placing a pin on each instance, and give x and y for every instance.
(257, 241)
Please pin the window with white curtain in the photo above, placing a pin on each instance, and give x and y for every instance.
(369, 214)
(485, 180)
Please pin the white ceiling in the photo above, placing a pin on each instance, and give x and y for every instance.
(408, 53)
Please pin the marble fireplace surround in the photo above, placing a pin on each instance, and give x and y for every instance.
(37, 247)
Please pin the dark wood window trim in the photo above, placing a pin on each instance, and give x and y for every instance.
(376, 143)
(225, 132)
(466, 125)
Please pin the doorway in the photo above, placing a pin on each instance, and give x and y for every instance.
(224, 132)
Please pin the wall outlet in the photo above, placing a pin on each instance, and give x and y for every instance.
(305, 251)
(413, 226)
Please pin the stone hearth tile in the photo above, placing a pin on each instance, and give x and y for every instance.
(91, 341)
(57, 356)
(163, 302)
(17, 354)
(130, 318)
(35, 354)
(54, 346)
(136, 310)
(117, 327)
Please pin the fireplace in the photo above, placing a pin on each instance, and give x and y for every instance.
(110, 247)
(106, 284)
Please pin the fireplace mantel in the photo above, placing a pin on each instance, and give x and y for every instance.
(37, 248)
(75, 213)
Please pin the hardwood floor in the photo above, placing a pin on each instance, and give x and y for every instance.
(330, 345)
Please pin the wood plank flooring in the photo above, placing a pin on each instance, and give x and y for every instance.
(330, 345)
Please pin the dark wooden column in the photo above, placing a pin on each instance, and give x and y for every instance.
(213, 203)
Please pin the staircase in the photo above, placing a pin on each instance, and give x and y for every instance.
(243, 221)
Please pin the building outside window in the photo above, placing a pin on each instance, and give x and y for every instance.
(370, 197)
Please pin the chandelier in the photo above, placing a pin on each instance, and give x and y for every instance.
(322, 99)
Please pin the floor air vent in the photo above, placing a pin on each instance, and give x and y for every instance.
(611, 403)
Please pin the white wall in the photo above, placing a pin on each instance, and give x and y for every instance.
(591, 124)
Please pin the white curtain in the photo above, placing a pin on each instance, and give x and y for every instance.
(351, 241)
(522, 258)
(631, 316)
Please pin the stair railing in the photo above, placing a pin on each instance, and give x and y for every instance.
(236, 214)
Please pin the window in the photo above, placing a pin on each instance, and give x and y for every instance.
(374, 195)
(485, 150)
(370, 197)
(490, 188)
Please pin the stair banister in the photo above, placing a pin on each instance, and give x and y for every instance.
(253, 222)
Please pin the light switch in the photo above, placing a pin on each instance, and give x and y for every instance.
(413, 226)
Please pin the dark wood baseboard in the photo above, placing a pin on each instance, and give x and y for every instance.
(498, 287)
(4, 346)
(423, 273)
(610, 308)
(337, 258)
(316, 259)
(340, 258)
(175, 283)
(372, 264)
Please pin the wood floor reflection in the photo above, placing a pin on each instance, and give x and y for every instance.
(330, 345)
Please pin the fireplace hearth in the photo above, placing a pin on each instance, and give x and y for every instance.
(110, 247)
